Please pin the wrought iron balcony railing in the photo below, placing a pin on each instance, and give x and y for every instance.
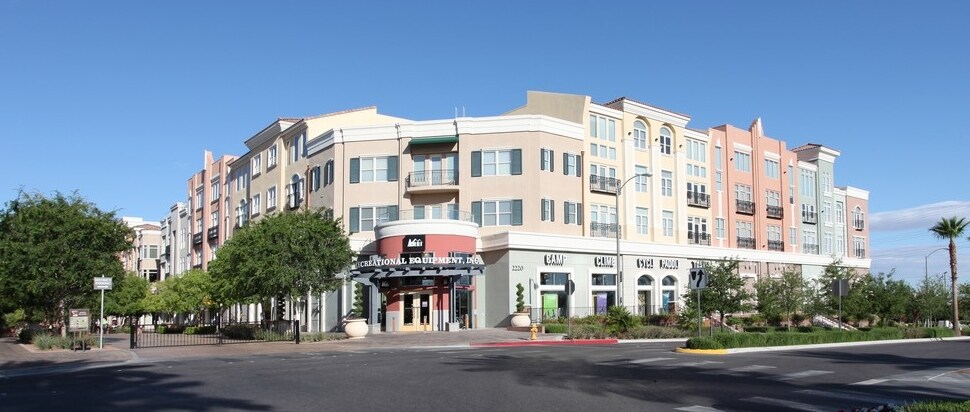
(745, 207)
(698, 199)
(597, 229)
(776, 212)
(603, 184)
(746, 242)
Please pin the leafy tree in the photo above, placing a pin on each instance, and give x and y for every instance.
(128, 297)
(52, 248)
(889, 298)
(856, 305)
(930, 300)
(284, 254)
(725, 292)
(192, 292)
(965, 300)
(950, 229)
(781, 297)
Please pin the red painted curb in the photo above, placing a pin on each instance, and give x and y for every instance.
(549, 342)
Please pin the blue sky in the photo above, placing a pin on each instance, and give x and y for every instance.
(118, 99)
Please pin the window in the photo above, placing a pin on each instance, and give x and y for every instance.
(602, 214)
(840, 245)
(373, 169)
(271, 198)
(365, 218)
(504, 162)
(774, 233)
(827, 244)
(826, 182)
(271, 156)
(242, 180)
(572, 164)
(242, 213)
(668, 222)
(696, 227)
(298, 147)
(717, 158)
(215, 219)
(793, 236)
(546, 160)
(859, 247)
(717, 181)
(257, 164)
(497, 213)
(548, 210)
(742, 161)
(328, 173)
(772, 198)
(602, 128)
(742, 192)
(294, 192)
(199, 198)
(666, 183)
(315, 178)
(640, 182)
(839, 212)
(810, 240)
(149, 251)
(666, 141)
(791, 185)
(639, 135)
(643, 220)
(439, 211)
(573, 213)
(807, 183)
(745, 229)
(257, 205)
(772, 169)
(215, 189)
(827, 212)
(696, 151)
(719, 227)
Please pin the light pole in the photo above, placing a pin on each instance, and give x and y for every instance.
(619, 267)
(926, 276)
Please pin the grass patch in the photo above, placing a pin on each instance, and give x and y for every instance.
(321, 336)
(937, 406)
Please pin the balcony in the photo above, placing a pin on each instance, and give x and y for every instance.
(698, 199)
(435, 181)
(776, 245)
(746, 242)
(597, 229)
(167, 251)
(860, 253)
(212, 233)
(603, 184)
(776, 212)
(744, 207)
(810, 249)
(858, 224)
(197, 239)
(810, 217)
(699, 238)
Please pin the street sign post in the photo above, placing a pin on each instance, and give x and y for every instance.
(698, 281)
(102, 283)
(840, 288)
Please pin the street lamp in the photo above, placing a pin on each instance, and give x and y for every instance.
(619, 267)
(926, 277)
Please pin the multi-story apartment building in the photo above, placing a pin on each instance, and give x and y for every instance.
(176, 236)
(208, 205)
(619, 200)
(143, 258)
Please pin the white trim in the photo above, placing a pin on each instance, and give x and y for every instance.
(742, 148)
(427, 227)
(855, 192)
(807, 166)
(773, 156)
(605, 111)
(694, 134)
(654, 113)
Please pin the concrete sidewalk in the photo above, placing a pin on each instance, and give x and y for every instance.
(17, 359)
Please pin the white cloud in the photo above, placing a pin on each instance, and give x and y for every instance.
(919, 217)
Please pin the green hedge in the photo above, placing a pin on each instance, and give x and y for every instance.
(759, 339)
(704, 343)
(200, 330)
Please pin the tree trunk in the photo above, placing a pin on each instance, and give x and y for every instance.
(953, 288)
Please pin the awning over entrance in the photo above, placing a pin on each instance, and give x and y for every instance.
(396, 271)
(434, 140)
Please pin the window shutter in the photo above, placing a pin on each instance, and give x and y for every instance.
(355, 170)
(565, 212)
(579, 165)
(579, 214)
(517, 212)
(330, 172)
(552, 161)
(542, 159)
(477, 212)
(354, 219)
(392, 168)
(552, 210)
(516, 161)
(477, 163)
(565, 161)
(392, 215)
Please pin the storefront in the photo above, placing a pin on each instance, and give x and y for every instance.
(423, 272)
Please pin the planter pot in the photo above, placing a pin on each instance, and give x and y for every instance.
(355, 328)
(521, 320)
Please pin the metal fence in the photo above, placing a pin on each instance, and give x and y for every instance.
(165, 335)
(540, 314)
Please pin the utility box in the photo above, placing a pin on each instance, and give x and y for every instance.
(453, 326)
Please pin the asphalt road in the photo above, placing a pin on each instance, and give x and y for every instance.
(627, 377)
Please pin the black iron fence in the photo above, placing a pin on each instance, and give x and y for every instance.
(168, 335)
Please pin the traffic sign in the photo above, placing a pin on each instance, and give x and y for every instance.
(698, 278)
(102, 283)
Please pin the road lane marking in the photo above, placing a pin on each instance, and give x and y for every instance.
(870, 382)
(785, 403)
(698, 408)
(649, 360)
(740, 370)
(797, 375)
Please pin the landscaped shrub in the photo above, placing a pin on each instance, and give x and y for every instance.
(321, 336)
(161, 329)
(556, 327)
(269, 335)
(619, 321)
(703, 343)
(587, 331)
(26, 335)
(657, 332)
(205, 330)
(756, 329)
(245, 332)
(938, 406)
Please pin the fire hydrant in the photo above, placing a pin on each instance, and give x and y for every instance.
(534, 331)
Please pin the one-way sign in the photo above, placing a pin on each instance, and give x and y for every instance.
(698, 278)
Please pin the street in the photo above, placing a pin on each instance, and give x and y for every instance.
(638, 376)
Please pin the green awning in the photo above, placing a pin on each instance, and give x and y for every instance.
(434, 139)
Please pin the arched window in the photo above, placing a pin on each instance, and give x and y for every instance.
(242, 213)
(645, 280)
(294, 192)
(666, 140)
(639, 135)
(670, 281)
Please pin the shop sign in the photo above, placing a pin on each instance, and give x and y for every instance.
(414, 243)
(79, 320)
(429, 260)
(554, 259)
(644, 263)
(604, 261)
(671, 264)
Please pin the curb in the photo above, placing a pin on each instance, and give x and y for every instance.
(702, 351)
(548, 343)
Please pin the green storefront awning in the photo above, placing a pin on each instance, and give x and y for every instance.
(434, 139)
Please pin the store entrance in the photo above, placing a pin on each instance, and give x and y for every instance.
(417, 312)
(463, 305)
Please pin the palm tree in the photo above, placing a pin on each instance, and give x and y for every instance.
(951, 229)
